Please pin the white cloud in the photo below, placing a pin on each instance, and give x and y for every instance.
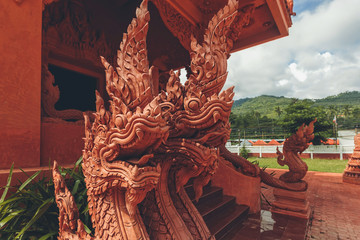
(299, 74)
(282, 82)
(321, 57)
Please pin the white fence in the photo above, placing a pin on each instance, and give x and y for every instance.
(319, 149)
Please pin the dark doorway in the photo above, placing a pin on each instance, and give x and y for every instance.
(77, 91)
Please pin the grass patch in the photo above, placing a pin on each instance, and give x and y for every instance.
(316, 164)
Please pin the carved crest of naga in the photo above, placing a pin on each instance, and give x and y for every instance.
(142, 150)
(293, 146)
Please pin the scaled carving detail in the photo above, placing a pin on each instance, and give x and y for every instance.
(150, 143)
(69, 222)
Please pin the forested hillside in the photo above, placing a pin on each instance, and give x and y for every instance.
(346, 98)
(270, 117)
(269, 105)
(263, 104)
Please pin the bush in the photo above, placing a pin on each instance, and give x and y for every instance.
(30, 212)
(244, 152)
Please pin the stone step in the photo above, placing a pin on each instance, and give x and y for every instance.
(209, 192)
(220, 212)
(226, 220)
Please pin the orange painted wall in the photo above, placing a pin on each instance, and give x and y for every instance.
(20, 83)
(62, 142)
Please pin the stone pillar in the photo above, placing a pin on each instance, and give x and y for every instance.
(352, 171)
(291, 203)
(20, 83)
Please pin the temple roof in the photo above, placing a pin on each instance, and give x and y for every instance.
(174, 22)
(263, 20)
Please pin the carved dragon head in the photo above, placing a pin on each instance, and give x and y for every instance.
(299, 141)
(122, 144)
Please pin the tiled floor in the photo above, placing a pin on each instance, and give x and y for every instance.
(268, 226)
(335, 206)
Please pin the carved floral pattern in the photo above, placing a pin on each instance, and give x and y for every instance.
(67, 30)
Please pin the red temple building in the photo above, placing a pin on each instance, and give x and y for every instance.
(51, 66)
(156, 132)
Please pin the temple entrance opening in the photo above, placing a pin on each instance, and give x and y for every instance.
(77, 89)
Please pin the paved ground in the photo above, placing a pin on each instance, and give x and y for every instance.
(335, 206)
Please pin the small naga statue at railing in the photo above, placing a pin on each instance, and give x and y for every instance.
(293, 146)
(140, 153)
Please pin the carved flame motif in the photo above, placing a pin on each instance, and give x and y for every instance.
(149, 144)
(209, 59)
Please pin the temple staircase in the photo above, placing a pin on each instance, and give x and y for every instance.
(220, 212)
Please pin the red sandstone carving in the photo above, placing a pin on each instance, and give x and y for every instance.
(243, 164)
(149, 143)
(287, 202)
(179, 27)
(184, 30)
(67, 31)
(295, 144)
(69, 222)
(352, 171)
(290, 6)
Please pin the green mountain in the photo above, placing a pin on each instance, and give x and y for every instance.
(266, 105)
(346, 98)
(263, 104)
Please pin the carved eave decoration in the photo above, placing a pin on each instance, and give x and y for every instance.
(68, 33)
(257, 21)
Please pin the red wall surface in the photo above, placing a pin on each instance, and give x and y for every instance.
(20, 83)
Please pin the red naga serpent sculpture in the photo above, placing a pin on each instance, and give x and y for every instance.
(140, 152)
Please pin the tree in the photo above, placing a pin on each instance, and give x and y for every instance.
(356, 112)
(232, 119)
(300, 112)
(346, 111)
(257, 115)
(333, 111)
(278, 111)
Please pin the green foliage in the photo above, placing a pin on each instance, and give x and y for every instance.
(319, 165)
(345, 98)
(244, 152)
(301, 112)
(263, 104)
(346, 106)
(30, 211)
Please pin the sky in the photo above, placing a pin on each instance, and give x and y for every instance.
(319, 58)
